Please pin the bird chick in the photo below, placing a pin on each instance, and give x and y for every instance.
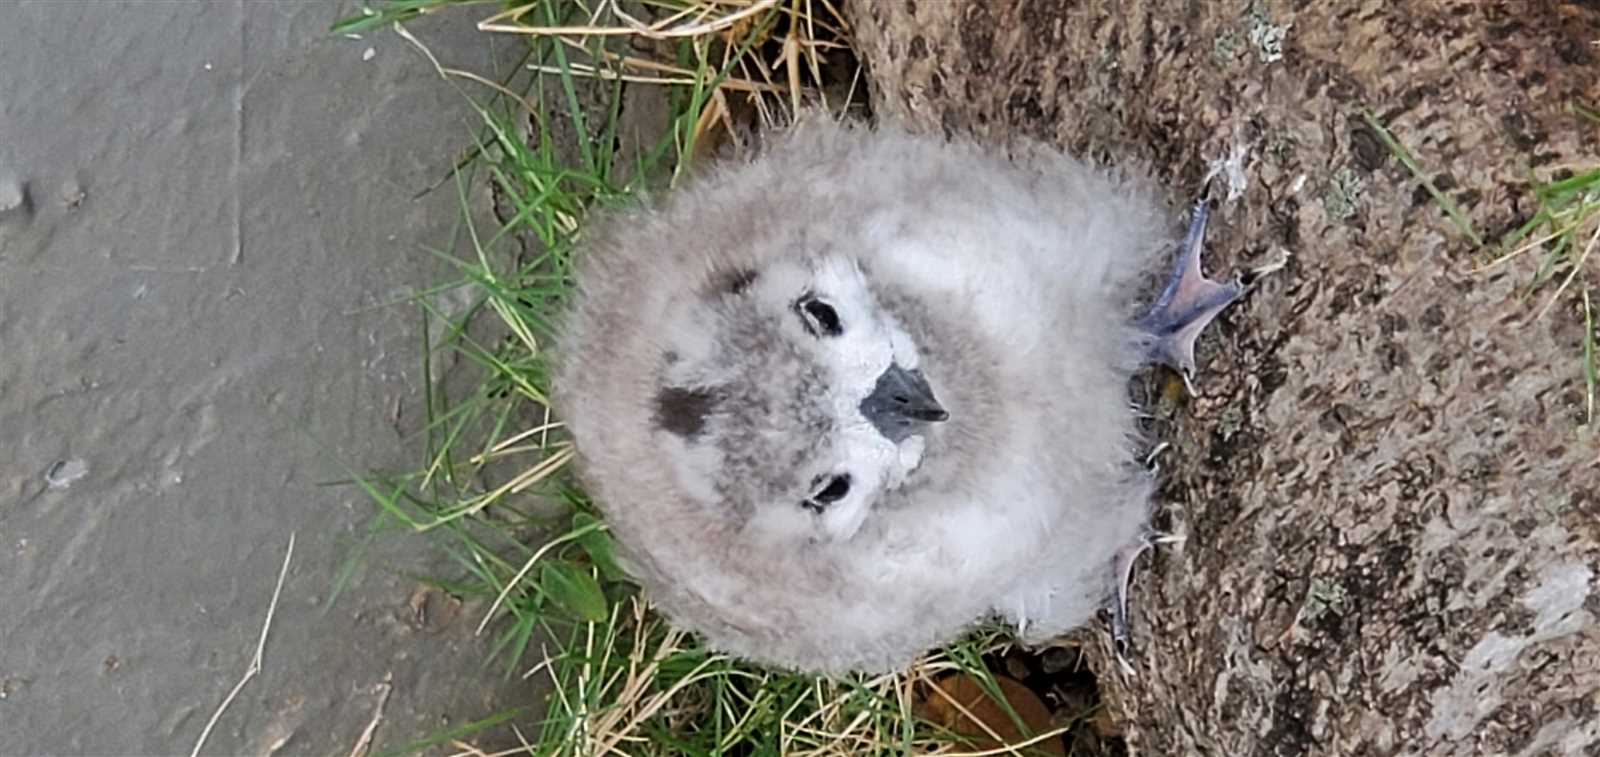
(842, 401)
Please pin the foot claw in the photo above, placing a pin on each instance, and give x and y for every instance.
(1122, 565)
(1151, 462)
(1250, 278)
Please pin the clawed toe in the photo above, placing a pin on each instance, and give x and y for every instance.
(1152, 461)
(1122, 568)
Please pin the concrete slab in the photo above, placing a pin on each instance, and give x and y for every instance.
(203, 208)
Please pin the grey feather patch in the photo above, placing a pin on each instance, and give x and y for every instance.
(683, 411)
(735, 281)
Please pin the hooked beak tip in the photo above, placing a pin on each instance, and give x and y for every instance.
(901, 400)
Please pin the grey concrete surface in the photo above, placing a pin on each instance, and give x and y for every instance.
(203, 208)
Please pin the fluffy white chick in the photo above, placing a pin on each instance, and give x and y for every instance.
(843, 400)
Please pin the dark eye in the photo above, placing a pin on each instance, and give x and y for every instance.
(833, 491)
(819, 317)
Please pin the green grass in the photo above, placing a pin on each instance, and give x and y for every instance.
(494, 489)
(1446, 204)
(1563, 232)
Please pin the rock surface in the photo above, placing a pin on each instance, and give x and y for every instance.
(1390, 503)
(206, 211)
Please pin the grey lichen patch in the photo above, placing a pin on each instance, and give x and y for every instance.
(1555, 507)
(1563, 735)
(1280, 146)
(1557, 603)
(1108, 60)
(1231, 168)
(1265, 37)
(1225, 45)
(1323, 597)
(1231, 422)
(1256, 32)
(1342, 196)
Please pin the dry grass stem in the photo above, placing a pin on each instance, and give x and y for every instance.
(686, 79)
(517, 579)
(656, 701)
(255, 662)
(1526, 246)
(468, 749)
(675, 74)
(511, 445)
(1594, 239)
(446, 73)
(384, 688)
(694, 21)
(539, 472)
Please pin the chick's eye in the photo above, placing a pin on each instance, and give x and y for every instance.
(837, 488)
(828, 491)
(819, 317)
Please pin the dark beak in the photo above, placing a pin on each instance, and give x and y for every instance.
(900, 403)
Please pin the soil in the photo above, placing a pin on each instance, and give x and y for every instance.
(207, 211)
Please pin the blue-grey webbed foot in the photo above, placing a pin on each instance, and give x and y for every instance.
(1190, 302)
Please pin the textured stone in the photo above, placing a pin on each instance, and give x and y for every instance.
(1392, 512)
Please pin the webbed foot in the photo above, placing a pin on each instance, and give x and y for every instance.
(1191, 301)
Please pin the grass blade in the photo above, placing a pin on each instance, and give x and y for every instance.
(1449, 206)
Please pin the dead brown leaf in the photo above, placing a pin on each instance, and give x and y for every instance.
(961, 704)
(431, 609)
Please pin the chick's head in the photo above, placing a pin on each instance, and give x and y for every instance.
(796, 399)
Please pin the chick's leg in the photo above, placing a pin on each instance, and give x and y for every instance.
(1190, 302)
(1122, 563)
(1122, 571)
